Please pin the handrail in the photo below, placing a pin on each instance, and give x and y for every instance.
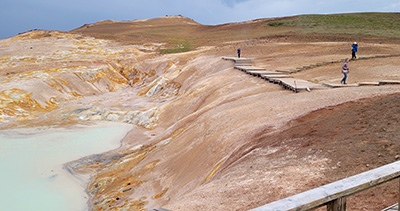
(334, 195)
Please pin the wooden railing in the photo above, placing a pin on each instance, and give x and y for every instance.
(334, 195)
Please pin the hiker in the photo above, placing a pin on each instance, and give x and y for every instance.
(345, 70)
(354, 50)
(238, 51)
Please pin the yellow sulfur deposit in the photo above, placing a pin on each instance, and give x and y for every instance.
(18, 103)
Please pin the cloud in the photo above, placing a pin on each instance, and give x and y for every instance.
(395, 6)
(232, 3)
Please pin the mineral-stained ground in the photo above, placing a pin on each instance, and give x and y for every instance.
(208, 136)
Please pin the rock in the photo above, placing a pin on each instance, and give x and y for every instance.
(113, 117)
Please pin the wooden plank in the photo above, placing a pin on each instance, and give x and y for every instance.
(276, 76)
(298, 83)
(390, 82)
(368, 83)
(266, 72)
(339, 85)
(249, 68)
(320, 196)
(238, 60)
(243, 64)
(242, 60)
(284, 71)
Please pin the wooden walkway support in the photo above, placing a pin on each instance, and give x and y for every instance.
(334, 195)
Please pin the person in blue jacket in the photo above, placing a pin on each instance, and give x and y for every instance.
(354, 50)
(238, 52)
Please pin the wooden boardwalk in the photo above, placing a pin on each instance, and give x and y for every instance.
(287, 81)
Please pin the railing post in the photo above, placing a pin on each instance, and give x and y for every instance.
(337, 205)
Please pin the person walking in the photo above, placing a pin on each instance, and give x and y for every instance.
(354, 50)
(345, 70)
(238, 52)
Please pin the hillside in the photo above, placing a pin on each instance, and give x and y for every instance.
(183, 34)
(207, 136)
(175, 31)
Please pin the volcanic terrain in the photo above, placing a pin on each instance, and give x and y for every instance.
(208, 136)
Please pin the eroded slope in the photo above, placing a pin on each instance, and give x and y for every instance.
(197, 118)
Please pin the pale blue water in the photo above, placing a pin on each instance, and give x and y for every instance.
(31, 173)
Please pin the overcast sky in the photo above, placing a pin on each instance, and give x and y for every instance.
(21, 15)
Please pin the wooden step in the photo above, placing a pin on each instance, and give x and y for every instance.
(332, 85)
(248, 69)
(297, 85)
(389, 82)
(368, 83)
(265, 72)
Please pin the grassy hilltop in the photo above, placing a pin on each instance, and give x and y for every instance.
(375, 24)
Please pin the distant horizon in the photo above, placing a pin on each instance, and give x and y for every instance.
(237, 21)
(24, 15)
(193, 20)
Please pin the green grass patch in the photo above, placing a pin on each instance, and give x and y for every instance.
(377, 24)
(275, 24)
(179, 46)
